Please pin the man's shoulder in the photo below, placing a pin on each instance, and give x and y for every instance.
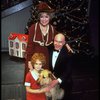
(66, 52)
(50, 47)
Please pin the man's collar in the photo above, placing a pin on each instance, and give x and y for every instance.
(56, 50)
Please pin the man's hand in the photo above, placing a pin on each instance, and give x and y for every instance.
(53, 83)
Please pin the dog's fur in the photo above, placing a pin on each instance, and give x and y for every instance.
(44, 80)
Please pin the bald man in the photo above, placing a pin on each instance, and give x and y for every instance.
(60, 65)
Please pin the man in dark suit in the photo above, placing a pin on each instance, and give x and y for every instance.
(60, 65)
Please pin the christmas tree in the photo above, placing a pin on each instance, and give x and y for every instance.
(71, 18)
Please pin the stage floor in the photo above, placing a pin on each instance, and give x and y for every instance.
(12, 69)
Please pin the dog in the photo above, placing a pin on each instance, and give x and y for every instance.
(56, 93)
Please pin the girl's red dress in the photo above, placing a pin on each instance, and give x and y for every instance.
(31, 80)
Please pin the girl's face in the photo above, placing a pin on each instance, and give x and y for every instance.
(44, 19)
(38, 65)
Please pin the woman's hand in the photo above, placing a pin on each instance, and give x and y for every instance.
(69, 48)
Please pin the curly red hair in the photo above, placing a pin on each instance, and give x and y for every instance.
(40, 57)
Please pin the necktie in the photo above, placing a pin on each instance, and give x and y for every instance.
(56, 50)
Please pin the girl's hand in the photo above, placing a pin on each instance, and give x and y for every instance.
(46, 89)
(30, 65)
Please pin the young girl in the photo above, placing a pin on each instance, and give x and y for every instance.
(33, 89)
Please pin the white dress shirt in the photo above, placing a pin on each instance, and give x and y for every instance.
(54, 59)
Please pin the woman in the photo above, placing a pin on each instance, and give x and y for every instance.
(41, 35)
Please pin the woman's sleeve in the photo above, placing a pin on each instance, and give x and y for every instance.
(55, 31)
(30, 45)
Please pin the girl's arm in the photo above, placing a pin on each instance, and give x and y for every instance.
(41, 90)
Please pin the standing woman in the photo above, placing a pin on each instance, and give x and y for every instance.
(41, 35)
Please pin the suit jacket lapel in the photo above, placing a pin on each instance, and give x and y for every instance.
(57, 61)
(60, 57)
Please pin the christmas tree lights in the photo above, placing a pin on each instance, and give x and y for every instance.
(71, 18)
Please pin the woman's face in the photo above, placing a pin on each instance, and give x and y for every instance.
(44, 18)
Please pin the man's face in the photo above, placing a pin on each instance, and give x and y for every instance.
(59, 41)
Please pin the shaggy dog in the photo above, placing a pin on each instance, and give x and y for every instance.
(56, 93)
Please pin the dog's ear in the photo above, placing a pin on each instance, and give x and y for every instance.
(45, 73)
(40, 78)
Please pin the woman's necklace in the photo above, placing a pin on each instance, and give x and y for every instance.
(44, 30)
